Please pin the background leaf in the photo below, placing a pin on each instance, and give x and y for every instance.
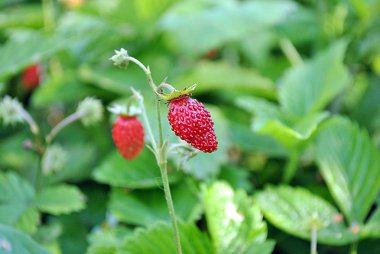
(311, 86)
(16, 54)
(292, 210)
(145, 207)
(233, 220)
(188, 18)
(142, 172)
(220, 76)
(350, 165)
(18, 242)
(60, 199)
(16, 203)
(158, 239)
(269, 119)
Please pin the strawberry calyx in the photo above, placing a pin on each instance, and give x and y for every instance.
(174, 94)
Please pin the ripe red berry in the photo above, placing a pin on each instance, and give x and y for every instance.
(191, 121)
(128, 136)
(31, 77)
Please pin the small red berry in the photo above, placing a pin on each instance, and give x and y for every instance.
(31, 77)
(128, 136)
(191, 121)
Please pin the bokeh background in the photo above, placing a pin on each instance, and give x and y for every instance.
(270, 72)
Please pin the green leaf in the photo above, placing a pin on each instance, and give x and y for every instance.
(234, 222)
(112, 79)
(140, 173)
(208, 22)
(145, 207)
(25, 15)
(293, 210)
(220, 76)
(64, 88)
(311, 86)
(158, 239)
(270, 120)
(261, 248)
(107, 240)
(60, 199)
(16, 202)
(350, 164)
(17, 242)
(26, 49)
(372, 227)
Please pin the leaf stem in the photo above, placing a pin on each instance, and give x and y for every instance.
(32, 124)
(62, 124)
(313, 243)
(291, 166)
(48, 13)
(290, 52)
(169, 201)
(354, 248)
(146, 71)
(160, 152)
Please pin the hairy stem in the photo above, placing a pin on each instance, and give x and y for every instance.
(48, 14)
(290, 52)
(169, 201)
(62, 124)
(313, 243)
(32, 124)
(354, 248)
(291, 167)
(160, 152)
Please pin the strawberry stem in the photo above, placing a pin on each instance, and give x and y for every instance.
(62, 124)
(121, 58)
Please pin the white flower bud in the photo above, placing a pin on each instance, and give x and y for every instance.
(11, 111)
(91, 111)
(54, 159)
(120, 58)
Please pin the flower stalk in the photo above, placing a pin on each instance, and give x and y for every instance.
(121, 58)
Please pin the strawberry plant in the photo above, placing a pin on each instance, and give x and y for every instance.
(233, 127)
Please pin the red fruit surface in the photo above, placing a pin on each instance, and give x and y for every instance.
(191, 121)
(31, 77)
(128, 136)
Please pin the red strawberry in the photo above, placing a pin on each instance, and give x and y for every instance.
(191, 121)
(128, 136)
(31, 77)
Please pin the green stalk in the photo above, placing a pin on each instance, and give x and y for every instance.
(291, 166)
(354, 248)
(290, 52)
(160, 151)
(313, 243)
(62, 124)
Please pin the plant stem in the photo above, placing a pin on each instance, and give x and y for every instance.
(147, 125)
(169, 201)
(161, 154)
(146, 71)
(32, 124)
(291, 166)
(354, 248)
(290, 52)
(313, 243)
(48, 13)
(62, 124)
(161, 138)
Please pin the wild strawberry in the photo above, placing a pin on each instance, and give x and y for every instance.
(191, 121)
(128, 136)
(31, 77)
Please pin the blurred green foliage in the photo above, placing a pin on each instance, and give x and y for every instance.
(293, 87)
